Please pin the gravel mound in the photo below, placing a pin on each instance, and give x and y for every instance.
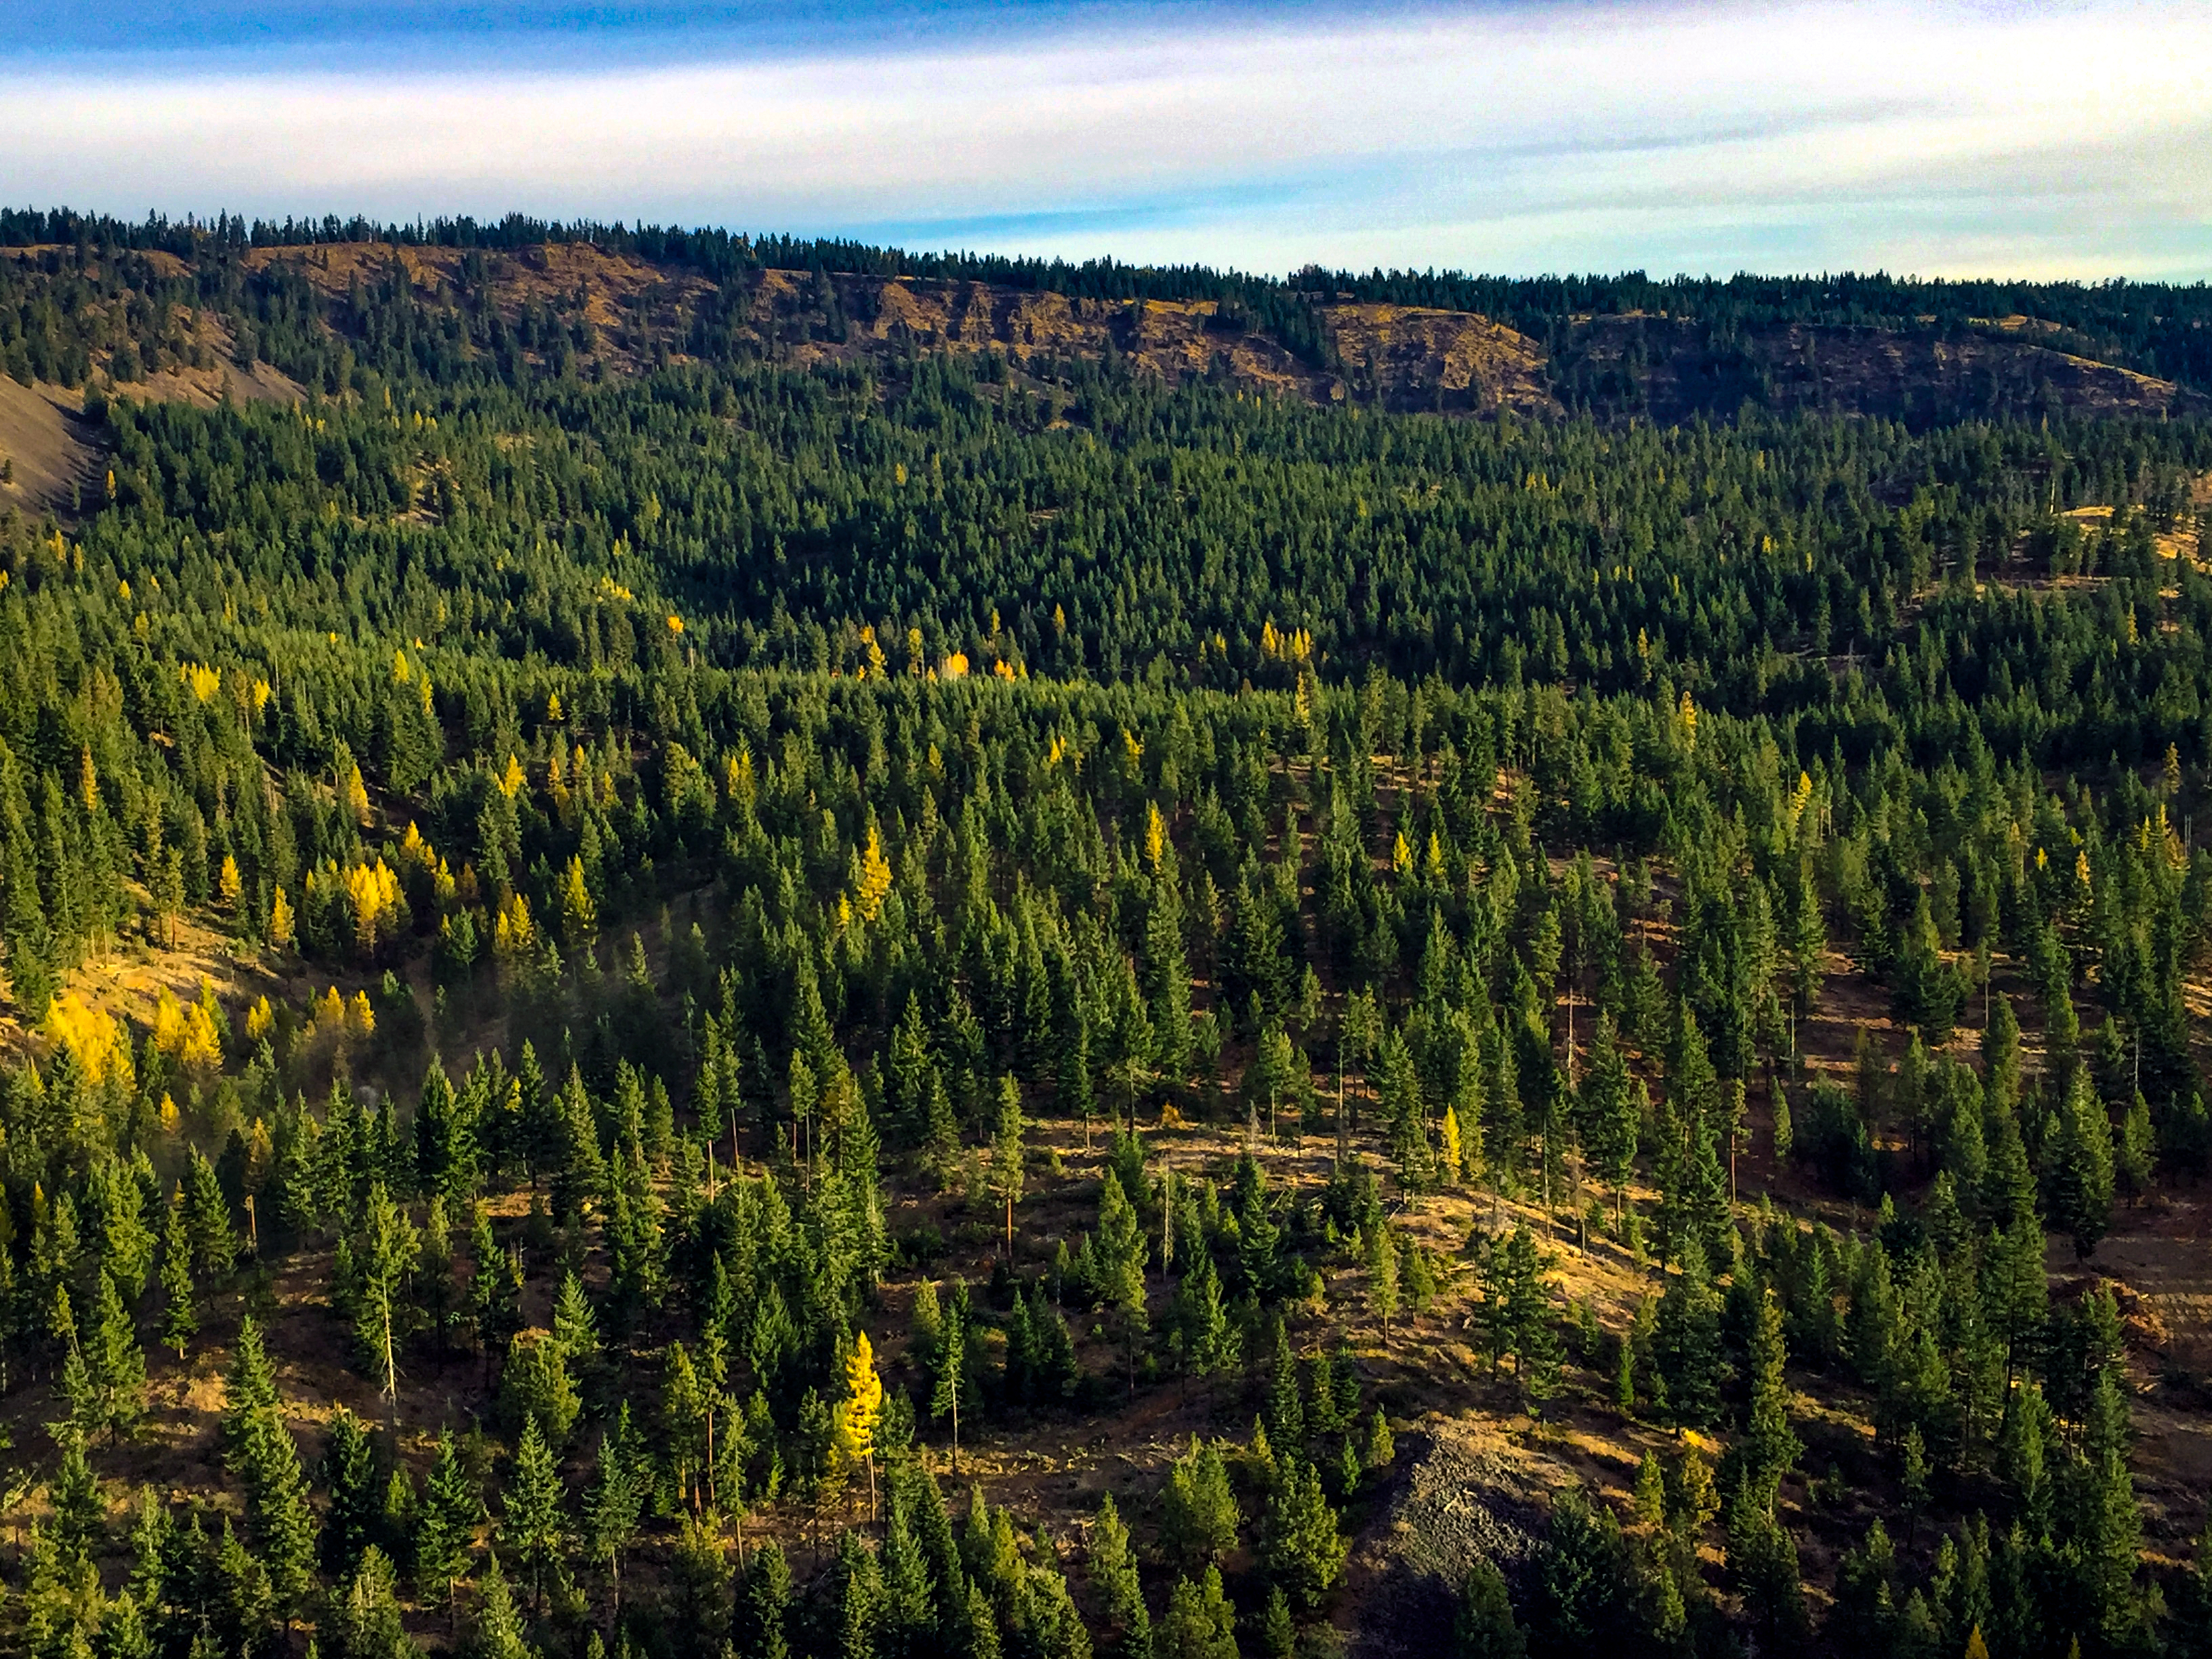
(1453, 1503)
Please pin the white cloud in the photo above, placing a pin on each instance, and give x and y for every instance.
(1711, 135)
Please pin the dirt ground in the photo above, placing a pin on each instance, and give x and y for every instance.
(51, 445)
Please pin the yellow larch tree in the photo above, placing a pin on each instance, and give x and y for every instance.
(860, 1411)
(871, 877)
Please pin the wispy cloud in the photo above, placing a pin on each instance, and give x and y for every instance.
(2030, 139)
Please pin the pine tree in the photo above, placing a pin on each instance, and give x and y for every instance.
(278, 1517)
(366, 1619)
(206, 1218)
(1606, 1116)
(578, 1165)
(80, 1512)
(1006, 1155)
(531, 1525)
(1113, 1571)
(1201, 1517)
(386, 1248)
(1203, 1332)
(1519, 1313)
(1381, 1449)
(1686, 1342)
(1301, 1546)
(116, 1365)
(1167, 975)
(1199, 1624)
(764, 1610)
(2081, 1167)
(123, 1633)
(1119, 1245)
(1382, 1276)
(575, 1327)
(1806, 930)
(613, 1505)
(1398, 1093)
(1285, 1412)
(499, 1633)
(240, 1591)
(444, 1528)
(249, 1391)
(1077, 1098)
(1770, 1445)
(356, 1503)
(126, 1245)
(1485, 1628)
(953, 1384)
(2138, 1151)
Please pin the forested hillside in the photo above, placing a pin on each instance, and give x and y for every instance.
(181, 309)
(676, 989)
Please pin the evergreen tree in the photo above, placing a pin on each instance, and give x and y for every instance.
(444, 1528)
(954, 1386)
(249, 1390)
(532, 1523)
(1199, 1624)
(1607, 1118)
(179, 1318)
(115, 1366)
(1119, 1245)
(2081, 1167)
(206, 1218)
(1202, 1516)
(2137, 1150)
(1770, 1445)
(366, 1621)
(1383, 1277)
(764, 1610)
(499, 1633)
(1485, 1628)
(1113, 1570)
(80, 1512)
(356, 1499)
(1286, 1412)
(613, 1505)
(278, 1517)
(1686, 1341)
(1006, 1155)
(1300, 1544)
(1201, 1332)
(387, 1247)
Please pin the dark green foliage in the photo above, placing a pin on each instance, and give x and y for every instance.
(1486, 1628)
(1579, 1597)
(1201, 1517)
(1198, 1623)
(1686, 1341)
(355, 1489)
(1300, 1544)
(1525, 770)
(1113, 1572)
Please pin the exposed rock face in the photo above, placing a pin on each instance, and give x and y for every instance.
(613, 312)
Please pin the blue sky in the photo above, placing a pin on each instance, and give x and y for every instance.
(2031, 138)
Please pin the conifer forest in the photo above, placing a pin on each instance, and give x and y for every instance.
(694, 969)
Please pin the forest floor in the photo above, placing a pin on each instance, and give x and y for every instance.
(1473, 1458)
(1473, 1463)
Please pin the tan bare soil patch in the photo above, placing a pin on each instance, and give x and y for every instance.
(51, 445)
